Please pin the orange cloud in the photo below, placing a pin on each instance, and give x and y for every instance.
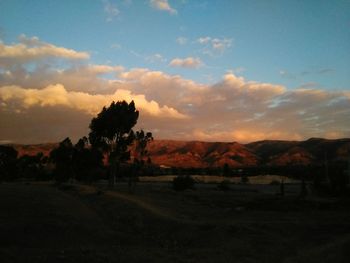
(163, 5)
(32, 49)
(57, 95)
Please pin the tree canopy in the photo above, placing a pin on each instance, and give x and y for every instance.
(112, 132)
(112, 126)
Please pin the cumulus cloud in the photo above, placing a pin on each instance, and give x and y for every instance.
(30, 49)
(189, 62)
(34, 107)
(163, 5)
(57, 95)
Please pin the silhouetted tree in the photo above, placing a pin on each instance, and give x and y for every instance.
(111, 131)
(226, 171)
(142, 139)
(140, 155)
(62, 157)
(87, 161)
(32, 166)
(8, 158)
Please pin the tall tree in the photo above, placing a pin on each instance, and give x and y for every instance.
(8, 159)
(140, 153)
(87, 161)
(142, 139)
(62, 156)
(111, 131)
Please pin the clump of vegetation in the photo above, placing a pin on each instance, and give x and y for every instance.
(224, 185)
(8, 158)
(181, 183)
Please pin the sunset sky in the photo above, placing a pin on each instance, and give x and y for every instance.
(197, 70)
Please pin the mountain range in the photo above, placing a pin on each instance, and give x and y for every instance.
(198, 154)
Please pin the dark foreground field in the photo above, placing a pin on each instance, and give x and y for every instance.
(45, 223)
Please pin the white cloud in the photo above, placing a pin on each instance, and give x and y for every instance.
(111, 10)
(155, 58)
(116, 46)
(204, 40)
(221, 44)
(163, 5)
(214, 46)
(189, 62)
(181, 40)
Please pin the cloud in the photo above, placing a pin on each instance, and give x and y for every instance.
(298, 75)
(57, 95)
(242, 135)
(181, 40)
(47, 102)
(155, 58)
(214, 46)
(111, 10)
(116, 46)
(189, 62)
(32, 49)
(204, 40)
(163, 5)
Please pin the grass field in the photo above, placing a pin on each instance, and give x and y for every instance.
(80, 223)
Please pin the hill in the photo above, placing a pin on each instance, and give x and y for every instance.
(199, 154)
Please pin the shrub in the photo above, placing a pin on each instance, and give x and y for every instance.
(181, 183)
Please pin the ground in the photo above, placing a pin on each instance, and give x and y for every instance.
(86, 223)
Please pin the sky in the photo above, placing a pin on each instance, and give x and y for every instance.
(197, 70)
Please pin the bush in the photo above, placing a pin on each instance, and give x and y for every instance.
(224, 185)
(181, 183)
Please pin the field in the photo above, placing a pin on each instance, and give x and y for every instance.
(43, 222)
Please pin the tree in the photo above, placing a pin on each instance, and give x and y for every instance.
(62, 156)
(142, 139)
(8, 159)
(32, 166)
(87, 161)
(140, 153)
(111, 132)
(226, 171)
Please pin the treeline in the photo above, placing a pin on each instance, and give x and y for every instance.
(86, 164)
(78, 161)
(111, 150)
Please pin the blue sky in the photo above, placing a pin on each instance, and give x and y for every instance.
(283, 42)
(298, 45)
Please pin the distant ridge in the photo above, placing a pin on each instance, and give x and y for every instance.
(200, 154)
